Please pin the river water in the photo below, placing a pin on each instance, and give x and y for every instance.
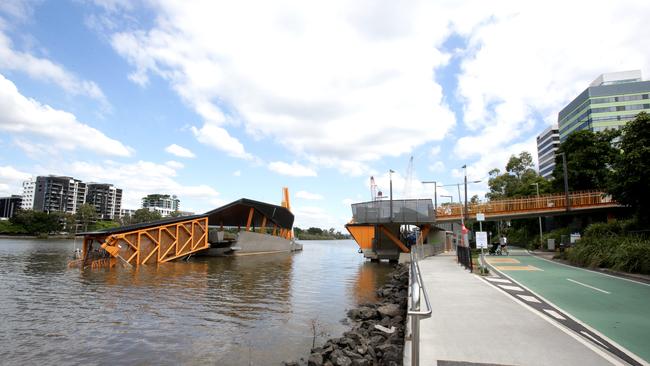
(253, 310)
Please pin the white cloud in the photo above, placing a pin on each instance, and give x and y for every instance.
(46, 70)
(517, 69)
(311, 216)
(435, 151)
(140, 178)
(236, 173)
(174, 164)
(437, 167)
(308, 195)
(294, 169)
(347, 201)
(11, 179)
(25, 116)
(336, 81)
(217, 137)
(179, 151)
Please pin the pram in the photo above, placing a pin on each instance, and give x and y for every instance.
(495, 249)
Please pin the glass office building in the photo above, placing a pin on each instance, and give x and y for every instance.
(547, 143)
(610, 101)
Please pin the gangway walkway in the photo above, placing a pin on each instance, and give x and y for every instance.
(522, 207)
(474, 322)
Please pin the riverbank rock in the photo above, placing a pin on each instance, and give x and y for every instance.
(364, 344)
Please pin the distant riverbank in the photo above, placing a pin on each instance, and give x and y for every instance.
(39, 237)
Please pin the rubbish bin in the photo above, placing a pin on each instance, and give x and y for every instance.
(550, 244)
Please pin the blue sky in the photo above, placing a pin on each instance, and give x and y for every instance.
(214, 101)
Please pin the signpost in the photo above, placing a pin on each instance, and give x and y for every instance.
(481, 238)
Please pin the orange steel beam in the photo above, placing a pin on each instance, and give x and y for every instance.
(263, 228)
(394, 239)
(250, 219)
(140, 246)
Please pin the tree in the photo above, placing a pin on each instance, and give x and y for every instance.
(144, 215)
(70, 223)
(86, 214)
(315, 231)
(630, 177)
(37, 222)
(589, 157)
(518, 180)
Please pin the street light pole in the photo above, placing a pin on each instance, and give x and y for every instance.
(466, 211)
(390, 175)
(541, 242)
(435, 192)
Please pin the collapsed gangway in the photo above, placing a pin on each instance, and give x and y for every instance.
(178, 237)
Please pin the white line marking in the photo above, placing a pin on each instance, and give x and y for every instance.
(587, 326)
(593, 339)
(513, 288)
(589, 270)
(529, 298)
(569, 332)
(494, 279)
(591, 287)
(554, 314)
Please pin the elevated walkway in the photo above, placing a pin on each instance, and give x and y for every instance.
(532, 206)
(475, 323)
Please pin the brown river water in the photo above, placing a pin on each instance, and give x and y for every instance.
(253, 310)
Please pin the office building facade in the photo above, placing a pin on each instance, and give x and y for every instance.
(162, 203)
(58, 194)
(9, 206)
(547, 144)
(609, 102)
(106, 198)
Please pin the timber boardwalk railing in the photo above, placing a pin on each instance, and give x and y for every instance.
(531, 206)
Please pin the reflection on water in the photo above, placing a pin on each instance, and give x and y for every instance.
(228, 311)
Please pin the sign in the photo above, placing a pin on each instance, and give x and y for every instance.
(481, 239)
(480, 217)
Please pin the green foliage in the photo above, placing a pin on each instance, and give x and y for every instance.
(86, 215)
(631, 176)
(102, 224)
(36, 222)
(8, 228)
(141, 215)
(612, 245)
(589, 157)
(314, 233)
(519, 179)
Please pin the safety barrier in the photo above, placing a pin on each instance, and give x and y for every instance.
(417, 291)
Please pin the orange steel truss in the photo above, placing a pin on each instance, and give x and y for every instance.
(156, 244)
(526, 206)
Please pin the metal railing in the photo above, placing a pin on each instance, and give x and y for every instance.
(543, 203)
(415, 311)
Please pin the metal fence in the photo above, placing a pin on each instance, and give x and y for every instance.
(417, 292)
(415, 211)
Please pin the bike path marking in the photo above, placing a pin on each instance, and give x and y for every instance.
(543, 306)
(585, 285)
(622, 318)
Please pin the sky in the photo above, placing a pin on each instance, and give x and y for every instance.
(217, 100)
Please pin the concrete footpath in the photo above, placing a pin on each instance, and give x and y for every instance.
(475, 323)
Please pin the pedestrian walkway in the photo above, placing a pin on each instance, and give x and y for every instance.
(475, 323)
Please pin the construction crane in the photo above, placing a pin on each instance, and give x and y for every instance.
(408, 179)
(373, 189)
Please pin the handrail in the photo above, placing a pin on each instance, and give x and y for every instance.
(416, 288)
(547, 202)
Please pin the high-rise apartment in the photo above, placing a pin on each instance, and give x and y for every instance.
(547, 143)
(106, 198)
(610, 101)
(27, 203)
(163, 203)
(58, 194)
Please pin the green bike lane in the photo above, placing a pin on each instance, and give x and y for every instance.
(617, 308)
